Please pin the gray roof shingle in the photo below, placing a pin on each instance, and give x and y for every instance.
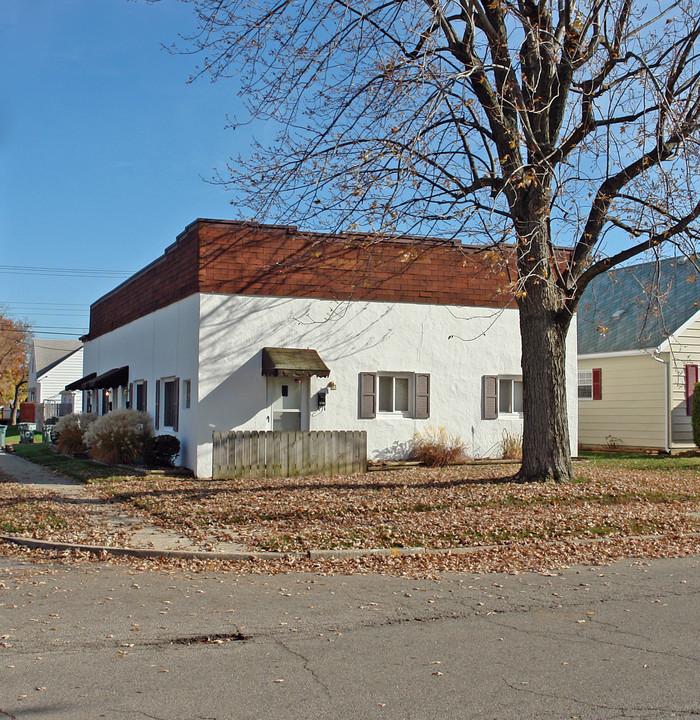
(637, 306)
(48, 352)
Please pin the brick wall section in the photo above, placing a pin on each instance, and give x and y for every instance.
(170, 278)
(243, 258)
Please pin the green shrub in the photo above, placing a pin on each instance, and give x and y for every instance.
(160, 451)
(695, 416)
(118, 437)
(68, 433)
(436, 447)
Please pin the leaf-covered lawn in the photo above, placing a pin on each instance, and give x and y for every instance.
(41, 514)
(432, 508)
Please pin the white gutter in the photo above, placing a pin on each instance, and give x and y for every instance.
(667, 410)
(617, 353)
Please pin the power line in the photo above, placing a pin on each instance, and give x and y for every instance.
(46, 328)
(24, 303)
(63, 272)
(59, 313)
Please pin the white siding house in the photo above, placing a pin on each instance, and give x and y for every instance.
(53, 364)
(387, 366)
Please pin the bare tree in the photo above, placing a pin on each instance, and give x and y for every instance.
(14, 362)
(513, 123)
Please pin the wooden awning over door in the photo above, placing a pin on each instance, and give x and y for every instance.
(293, 362)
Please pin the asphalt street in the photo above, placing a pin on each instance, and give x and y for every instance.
(97, 641)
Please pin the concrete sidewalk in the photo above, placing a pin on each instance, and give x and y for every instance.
(142, 536)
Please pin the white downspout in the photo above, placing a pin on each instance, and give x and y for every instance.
(667, 410)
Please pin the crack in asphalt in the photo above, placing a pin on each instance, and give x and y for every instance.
(600, 706)
(586, 640)
(8, 715)
(306, 665)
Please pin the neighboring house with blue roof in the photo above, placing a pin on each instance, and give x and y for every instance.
(638, 356)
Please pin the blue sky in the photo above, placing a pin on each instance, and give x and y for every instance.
(103, 146)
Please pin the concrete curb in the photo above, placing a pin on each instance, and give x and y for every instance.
(338, 553)
(143, 552)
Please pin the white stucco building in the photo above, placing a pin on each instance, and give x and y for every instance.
(251, 327)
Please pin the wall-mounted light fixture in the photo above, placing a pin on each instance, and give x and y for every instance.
(331, 385)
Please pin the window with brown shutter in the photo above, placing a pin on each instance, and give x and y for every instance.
(422, 400)
(490, 397)
(406, 394)
(368, 396)
(691, 378)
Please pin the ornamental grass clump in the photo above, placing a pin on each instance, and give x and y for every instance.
(70, 430)
(119, 436)
(511, 446)
(435, 447)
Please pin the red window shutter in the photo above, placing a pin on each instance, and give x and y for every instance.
(691, 378)
(597, 384)
(490, 397)
(368, 395)
(422, 399)
(145, 397)
(157, 413)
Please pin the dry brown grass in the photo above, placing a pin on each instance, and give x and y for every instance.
(435, 447)
(427, 507)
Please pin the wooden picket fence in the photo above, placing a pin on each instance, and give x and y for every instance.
(250, 453)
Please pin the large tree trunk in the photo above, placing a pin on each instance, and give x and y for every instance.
(546, 449)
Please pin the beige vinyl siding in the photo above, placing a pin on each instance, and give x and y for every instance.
(685, 351)
(631, 412)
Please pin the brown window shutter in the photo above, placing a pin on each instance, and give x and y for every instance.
(145, 396)
(490, 397)
(157, 414)
(597, 384)
(422, 404)
(368, 395)
(691, 378)
(131, 396)
(176, 403)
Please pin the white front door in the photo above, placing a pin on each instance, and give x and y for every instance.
(288, 403)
